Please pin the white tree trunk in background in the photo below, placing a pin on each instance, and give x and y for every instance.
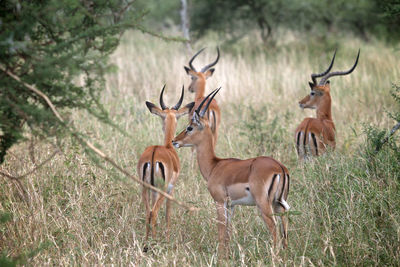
(185, 23)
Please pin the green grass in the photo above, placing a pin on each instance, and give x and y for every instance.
(345, 203)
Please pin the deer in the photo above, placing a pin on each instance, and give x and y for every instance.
(198, 85)
(314, 135)
(159, 165)
(261, 181)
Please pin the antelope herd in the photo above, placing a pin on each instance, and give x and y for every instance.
(261, 181)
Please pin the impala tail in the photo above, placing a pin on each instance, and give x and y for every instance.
(278, 191)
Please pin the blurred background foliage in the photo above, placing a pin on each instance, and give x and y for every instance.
(233, 19)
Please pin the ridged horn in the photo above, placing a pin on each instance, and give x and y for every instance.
(204, 69)
(204, 110)
(314, 76)
(202, 102)
(339, 73)
(163, 106)
(178, 105)
(191, 60)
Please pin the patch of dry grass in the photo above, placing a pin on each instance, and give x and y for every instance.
(93, 216)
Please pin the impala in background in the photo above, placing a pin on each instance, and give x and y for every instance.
(314, 135)
(198, 86)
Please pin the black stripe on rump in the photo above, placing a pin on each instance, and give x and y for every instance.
(152, 168)
(145, 166)
(315, 143)
(283, 185)
(298, 141)
(162, 170)
(271, 185)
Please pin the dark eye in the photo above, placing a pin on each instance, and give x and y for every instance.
(189, 128)
(312, 93)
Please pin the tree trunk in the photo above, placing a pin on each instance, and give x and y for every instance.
(185, 23)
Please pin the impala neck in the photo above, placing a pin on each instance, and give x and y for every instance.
(324, 108)
(206, 155)
(169, 130)
(200, 87)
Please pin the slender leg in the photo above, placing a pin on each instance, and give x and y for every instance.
(168, 212)
(154, 214)
(229, 215)
(267, 215)
(283, 223)
(145, 199)
(285, 232)
(221, 218)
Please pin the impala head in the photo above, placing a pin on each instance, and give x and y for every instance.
(198, 126)
(201, 76)
(169, 114)
(320, 92)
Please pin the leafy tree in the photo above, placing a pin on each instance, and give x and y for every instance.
(49, 43)
(236, 17)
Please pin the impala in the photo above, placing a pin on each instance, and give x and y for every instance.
(314, 135)
(198, 86)
(159, 165)
(260, 181)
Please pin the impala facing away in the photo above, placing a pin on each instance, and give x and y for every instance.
(159, 165)
(198, 86)
(313, 135)
(260, 181)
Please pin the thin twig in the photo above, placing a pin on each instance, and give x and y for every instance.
(31, 171)
(92, 147)
(386, 139)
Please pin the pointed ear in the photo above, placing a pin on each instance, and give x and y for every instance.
(209, 73)
(186, 69)
(155, 110)
(185, 110)
(189, 71)
(328, 85)
(311, 85)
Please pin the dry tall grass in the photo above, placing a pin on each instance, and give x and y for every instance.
(93, 216)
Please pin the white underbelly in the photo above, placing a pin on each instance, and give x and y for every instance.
(248, 200)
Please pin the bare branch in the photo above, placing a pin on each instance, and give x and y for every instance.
(31, 171)
(386, 139)
(92, 147)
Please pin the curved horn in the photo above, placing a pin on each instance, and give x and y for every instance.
(314, 76)
(202, 102)
(178, 105)
(163, 106)
(208, 103)
(212, 64)
(191, 60)
(339, 73)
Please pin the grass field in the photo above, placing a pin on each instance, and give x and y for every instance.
(345, 205)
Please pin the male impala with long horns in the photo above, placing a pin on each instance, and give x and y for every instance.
(260, 181)
(159, 165)
(198, 86)
(314, 135)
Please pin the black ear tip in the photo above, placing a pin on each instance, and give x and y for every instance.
(149, 105)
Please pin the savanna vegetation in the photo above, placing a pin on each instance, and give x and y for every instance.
(76, 209)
